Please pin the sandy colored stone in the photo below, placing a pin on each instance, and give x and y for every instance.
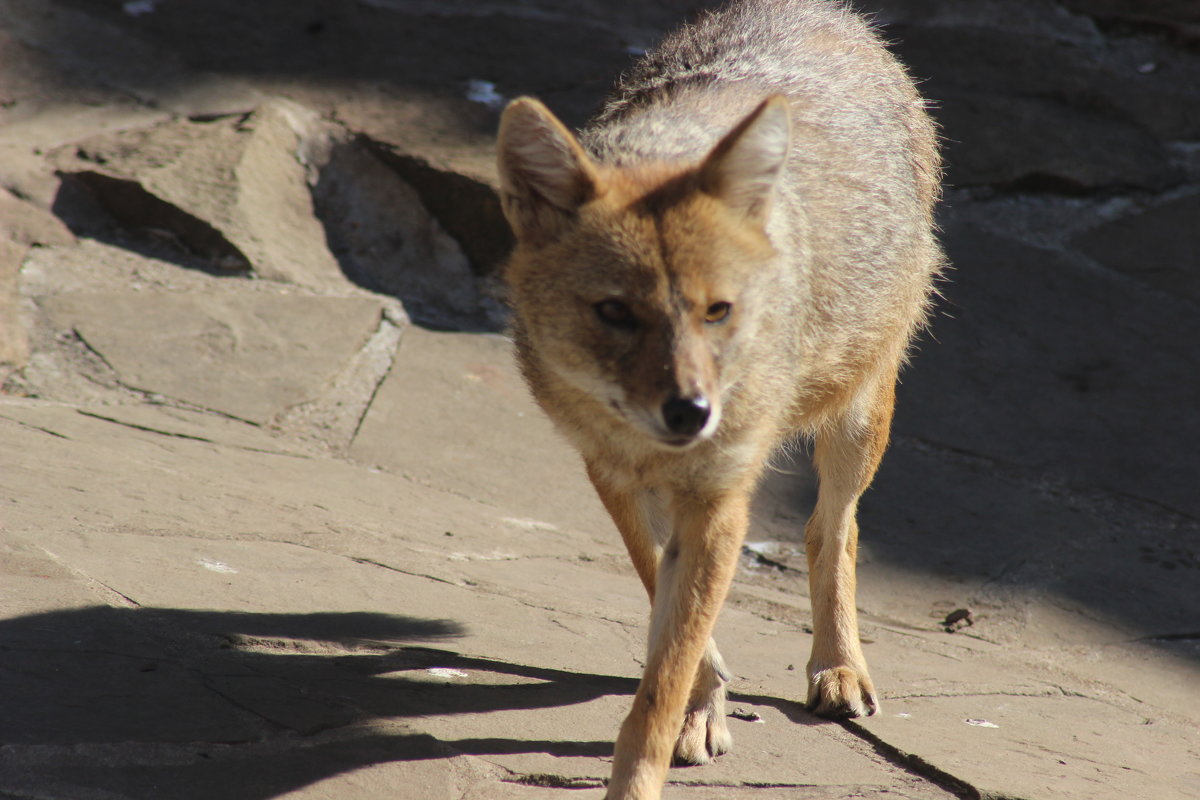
(194, 606)
(14, 342)
(325, 641)
(232, 190)
(454, 412)
(25, 223)
(280, 232)
(248, 356)
(1068, 747)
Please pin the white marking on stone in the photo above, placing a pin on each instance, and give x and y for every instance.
(446, 672)
(495, 555)
(530, 524)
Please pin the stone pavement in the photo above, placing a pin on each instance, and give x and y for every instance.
(278, 519)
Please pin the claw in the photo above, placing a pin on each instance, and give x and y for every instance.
(841, 693)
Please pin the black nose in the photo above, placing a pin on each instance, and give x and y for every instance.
(686, 415)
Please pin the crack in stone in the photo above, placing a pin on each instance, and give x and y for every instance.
(188, 436)
(1053, 692)
(111, 596)
(917, 765)
(386, 324)
(145, 428)
(373, 563)
(337, 412)
(1181, 636)
(473, 586)
(96, 354)
(477, 587)
(147, 396)
(38, 428)
(551, 781)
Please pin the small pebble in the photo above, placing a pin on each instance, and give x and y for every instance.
(747, 716)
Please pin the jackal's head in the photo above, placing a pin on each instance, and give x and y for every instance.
(639, 285)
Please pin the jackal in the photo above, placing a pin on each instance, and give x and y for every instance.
(735, 252)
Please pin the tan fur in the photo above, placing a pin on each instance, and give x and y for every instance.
(731, 256)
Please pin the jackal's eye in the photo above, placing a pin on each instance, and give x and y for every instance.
(615, 313)
(718, 312)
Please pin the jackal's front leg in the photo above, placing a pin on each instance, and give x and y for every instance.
(697, 565)
(645, 521)
(705, 733)
(846, 457)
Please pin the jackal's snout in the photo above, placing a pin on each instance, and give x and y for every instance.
(686, 416)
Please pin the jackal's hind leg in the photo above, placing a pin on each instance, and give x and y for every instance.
(846, 456)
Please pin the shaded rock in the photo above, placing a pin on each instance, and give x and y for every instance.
(388, 242)
(1033, 18)
(1180, 17)
(282, 235)
(1031, 557)
(89, 50)
(1037, 360)
(236, 194)
(1160, 245)
(412, 99)
(131, 206)
(1037, 144)
(250, 356)
(43, 106)
(1020, 108)
(426, 48)
(467, 208)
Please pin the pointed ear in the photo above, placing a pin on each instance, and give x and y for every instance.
(744, 166)
(545, 175)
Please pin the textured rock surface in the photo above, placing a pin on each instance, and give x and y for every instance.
(248, 356)
(277, 518)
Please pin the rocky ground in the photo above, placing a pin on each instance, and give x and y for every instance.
(279, 519)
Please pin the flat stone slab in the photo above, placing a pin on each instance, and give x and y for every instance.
(1025, 324)
(14, 343)
(319, 627)
(198, 600)
(1159, 245)
(186, 424)
(247, 355)
(1074, 748)
(453, 412)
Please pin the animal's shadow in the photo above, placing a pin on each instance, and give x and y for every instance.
(246, 706)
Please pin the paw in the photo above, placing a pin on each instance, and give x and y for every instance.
(704, 735)
(841, 692)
